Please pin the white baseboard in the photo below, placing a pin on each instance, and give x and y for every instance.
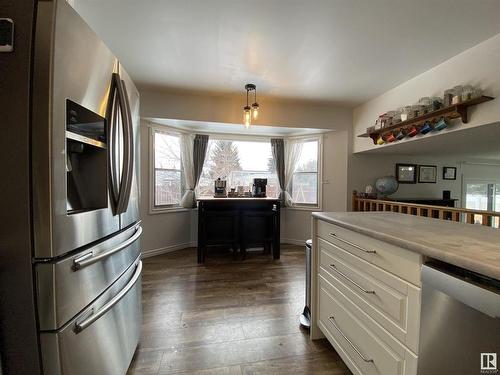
(292, 241)
(167, 249)
(172, 248)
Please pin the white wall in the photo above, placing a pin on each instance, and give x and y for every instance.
(229, 109)
(477, 66)
(365, 169)
(296, 226)
(164, 231)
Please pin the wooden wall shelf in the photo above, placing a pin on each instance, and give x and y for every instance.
(459, 110)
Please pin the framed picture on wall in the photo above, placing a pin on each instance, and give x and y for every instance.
(406, 173)
(427, 174)
(449, 173)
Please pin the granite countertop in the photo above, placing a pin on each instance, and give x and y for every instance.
(473, 247)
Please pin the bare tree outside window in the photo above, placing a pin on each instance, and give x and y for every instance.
(305, 177)
(238, 162)
(168, 173)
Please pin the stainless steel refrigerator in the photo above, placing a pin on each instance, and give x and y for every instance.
(85, 175)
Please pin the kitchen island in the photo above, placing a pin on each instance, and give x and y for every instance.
(378, 295)
(239, 223)
(473, 247)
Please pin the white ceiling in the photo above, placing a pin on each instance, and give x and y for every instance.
(239, 129)
(346, 51)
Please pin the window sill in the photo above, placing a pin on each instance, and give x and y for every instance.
(157, 211)
(304, 208)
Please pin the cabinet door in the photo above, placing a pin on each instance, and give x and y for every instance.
(364, 350)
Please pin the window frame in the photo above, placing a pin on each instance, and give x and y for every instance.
(235, 137)
(319, 175)
(238, 138)
(153, 208)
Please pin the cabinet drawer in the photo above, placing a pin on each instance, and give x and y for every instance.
(401, 262)
(366, 348)
(390, 301)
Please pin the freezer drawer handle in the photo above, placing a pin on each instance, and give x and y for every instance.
(333, 267)
(352, 244)
(332, 320)
(88, 259)
(79, 327)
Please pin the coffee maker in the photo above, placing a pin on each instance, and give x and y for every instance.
(220, 188)
(259, 187)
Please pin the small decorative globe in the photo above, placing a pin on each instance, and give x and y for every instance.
(386, 185)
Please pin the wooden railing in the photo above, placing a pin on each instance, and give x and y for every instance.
(488, 218)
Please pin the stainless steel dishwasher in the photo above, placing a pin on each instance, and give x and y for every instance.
(460, 322)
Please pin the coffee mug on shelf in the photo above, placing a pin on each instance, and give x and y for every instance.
(400, 134)
(441, 124)
(426, 128)
(390, 137)
(412, 132)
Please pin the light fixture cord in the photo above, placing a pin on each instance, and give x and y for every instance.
(247, 97)
(255, 95)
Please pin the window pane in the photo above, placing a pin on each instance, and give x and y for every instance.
(308, 161)
(477, 196)
(496, 204)
(168, 176)
(167, 187)
(167, 151)
(305, 187)
(238, 162)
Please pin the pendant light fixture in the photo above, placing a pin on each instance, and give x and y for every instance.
(252, 112)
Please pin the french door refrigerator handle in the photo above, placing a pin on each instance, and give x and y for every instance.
(80, 326)
(121, 207)
(129, 141)
(88, 259)
(111, 115)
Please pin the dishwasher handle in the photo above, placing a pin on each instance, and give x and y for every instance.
(472, 295)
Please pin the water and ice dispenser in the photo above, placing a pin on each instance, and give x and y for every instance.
(86, 159)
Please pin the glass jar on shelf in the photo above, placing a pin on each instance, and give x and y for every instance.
(417, 110)
(448, 97)
(405, 113)
(467, 92)
(397, 116)
(457, 94)
(425, 104)
(391, 118)
(477, 92)
(436, 103)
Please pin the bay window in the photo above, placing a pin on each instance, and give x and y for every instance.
(305, 179)
(167, 172)
(238, 162)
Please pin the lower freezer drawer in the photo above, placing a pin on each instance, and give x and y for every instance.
(66, 286)
(103, 337)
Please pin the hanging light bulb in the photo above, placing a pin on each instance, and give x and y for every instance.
(255, 105)
(253, 111)
(247, 117)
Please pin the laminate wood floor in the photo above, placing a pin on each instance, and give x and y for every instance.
(228, 317)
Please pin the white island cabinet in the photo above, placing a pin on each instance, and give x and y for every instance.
(366, 300)
(366, 281)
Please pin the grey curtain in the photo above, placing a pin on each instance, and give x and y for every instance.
(278, 149)
(193, 150)
(199, 153)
